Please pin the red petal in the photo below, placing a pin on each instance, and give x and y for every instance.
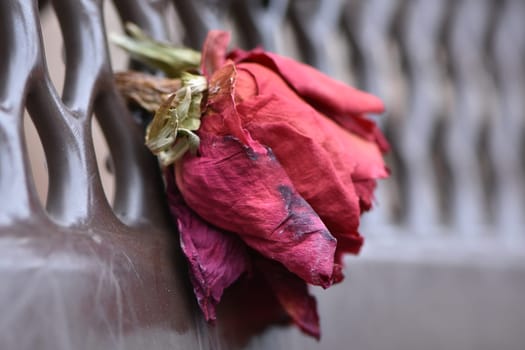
(221, 104)
(322, 159)
(216, 258)
(365, 191)
(249, 306)
(314, 85)
(214, 51)
(246, 191)
(335, 99)
(292, 293)
(365, 128)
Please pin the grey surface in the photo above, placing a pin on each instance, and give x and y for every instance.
(443, 267)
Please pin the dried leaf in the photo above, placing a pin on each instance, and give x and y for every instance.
(146, 90)
(162, 130)
(172, 60)
(169, 135)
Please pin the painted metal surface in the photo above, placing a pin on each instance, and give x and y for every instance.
(444, 265)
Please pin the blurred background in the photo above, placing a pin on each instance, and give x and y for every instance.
(443, 266)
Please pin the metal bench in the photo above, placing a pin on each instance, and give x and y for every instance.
(443, 267)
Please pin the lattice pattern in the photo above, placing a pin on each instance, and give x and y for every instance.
(451, 74)
(75, 193)
(81, 274)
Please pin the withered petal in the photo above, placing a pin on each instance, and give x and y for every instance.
(250, 306)
(214, 51)
(252, 195)
(293, 295)
(323, 161)
(343, 103)
(216, 258)
(313, 85)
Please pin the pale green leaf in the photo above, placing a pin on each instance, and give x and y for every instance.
(172, 60)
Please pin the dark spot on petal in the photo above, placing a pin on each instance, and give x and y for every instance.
(229, 138)
(250, 152)
(291, 199)
(299, 219)
(270, 154)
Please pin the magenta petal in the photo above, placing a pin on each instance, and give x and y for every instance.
(216, 258)
(246, 191)
(292, 293)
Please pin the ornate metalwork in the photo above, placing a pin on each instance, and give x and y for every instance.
(451, 74)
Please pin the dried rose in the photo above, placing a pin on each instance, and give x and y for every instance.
(286, 163)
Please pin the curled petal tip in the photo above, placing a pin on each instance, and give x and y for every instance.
(214, 51)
